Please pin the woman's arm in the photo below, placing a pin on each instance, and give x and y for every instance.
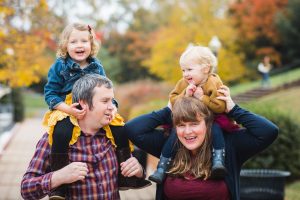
(258, 134)
(143, 133)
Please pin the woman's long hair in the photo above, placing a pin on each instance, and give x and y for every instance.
(189, 109)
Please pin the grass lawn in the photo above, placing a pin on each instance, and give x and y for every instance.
(276, 80)
(34, 104)
(285, 101)
(292, 191)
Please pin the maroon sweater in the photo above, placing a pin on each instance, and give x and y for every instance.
(196, 189)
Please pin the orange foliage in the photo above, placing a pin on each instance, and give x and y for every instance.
(135, 93)
(255, 23)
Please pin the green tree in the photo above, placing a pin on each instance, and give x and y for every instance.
(288, 23)
(130, 49)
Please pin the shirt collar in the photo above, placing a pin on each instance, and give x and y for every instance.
(101, 132)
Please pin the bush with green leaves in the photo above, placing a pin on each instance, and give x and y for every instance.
(284, 153)
(18, 104)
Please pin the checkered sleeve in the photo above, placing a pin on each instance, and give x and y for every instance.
(36, 181)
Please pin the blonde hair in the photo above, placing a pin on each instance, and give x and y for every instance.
(190, 109)
(200, 55)
(62, 50)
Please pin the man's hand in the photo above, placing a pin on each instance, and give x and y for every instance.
(132, 167)
(72, 172)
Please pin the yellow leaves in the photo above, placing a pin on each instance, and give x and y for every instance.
(23, 57)
(194, 22)
(27, 63)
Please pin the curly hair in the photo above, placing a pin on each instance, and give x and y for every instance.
(62, 50)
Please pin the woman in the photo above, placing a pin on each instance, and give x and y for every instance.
(189, 175)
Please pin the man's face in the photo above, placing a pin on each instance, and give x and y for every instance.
(102, 111)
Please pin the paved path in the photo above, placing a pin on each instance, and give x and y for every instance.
(15, 158)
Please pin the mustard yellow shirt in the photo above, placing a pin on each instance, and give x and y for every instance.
(210, 88)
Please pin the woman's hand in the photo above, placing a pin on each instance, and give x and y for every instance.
(227, 98)
(132, 167)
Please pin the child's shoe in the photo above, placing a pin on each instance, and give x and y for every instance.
(58, 161)
(133, 182)
(160, 174)
(218, 165)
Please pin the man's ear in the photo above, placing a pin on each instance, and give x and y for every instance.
(83, 104)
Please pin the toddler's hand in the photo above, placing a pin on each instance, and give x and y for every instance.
(78, 113)
(198, 93)
(190, 90)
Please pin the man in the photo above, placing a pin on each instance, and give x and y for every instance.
(93, 169)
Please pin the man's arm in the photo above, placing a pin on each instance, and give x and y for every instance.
(39, 180)
(36, 182)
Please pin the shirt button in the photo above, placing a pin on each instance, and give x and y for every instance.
(82, 73)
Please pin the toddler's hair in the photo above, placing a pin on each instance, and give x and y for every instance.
(65, 35)
(199, 55)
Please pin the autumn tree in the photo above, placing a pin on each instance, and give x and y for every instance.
(194, 22)
(23, 58)
(130, 49)
(255, 23)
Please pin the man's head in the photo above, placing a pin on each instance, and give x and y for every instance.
(95, 94)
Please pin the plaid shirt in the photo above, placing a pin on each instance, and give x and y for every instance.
(96, 151)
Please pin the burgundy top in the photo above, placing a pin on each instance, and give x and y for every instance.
(195, 189)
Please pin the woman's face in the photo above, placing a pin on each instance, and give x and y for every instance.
(191, 134)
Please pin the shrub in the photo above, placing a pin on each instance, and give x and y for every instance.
(147, 107)
(140, 92)
(284, 153)
(18, 104)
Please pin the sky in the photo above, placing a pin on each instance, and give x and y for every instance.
(75, 9)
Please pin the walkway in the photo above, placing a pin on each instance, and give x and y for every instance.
(15, 158)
